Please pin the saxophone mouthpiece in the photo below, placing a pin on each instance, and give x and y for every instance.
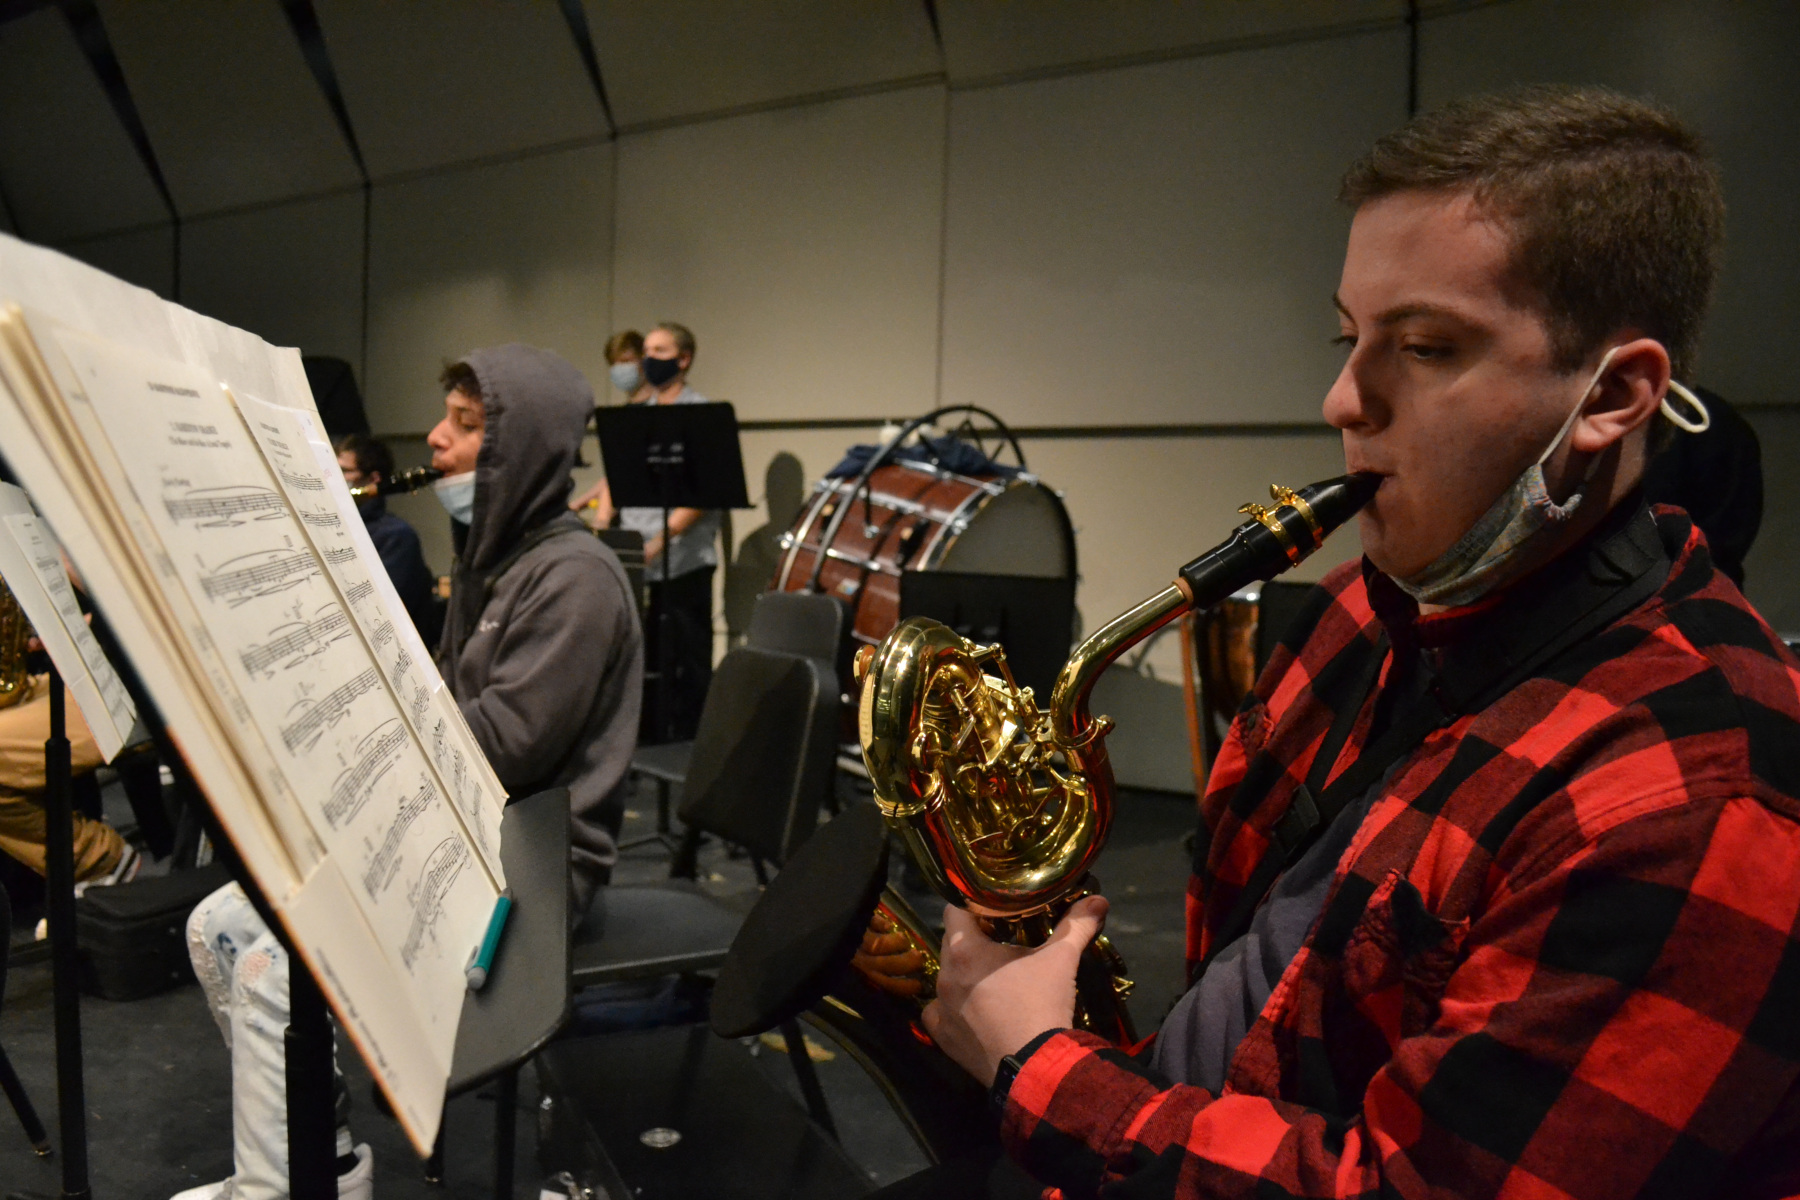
(1277, 537)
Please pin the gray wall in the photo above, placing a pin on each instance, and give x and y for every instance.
(1071, 214)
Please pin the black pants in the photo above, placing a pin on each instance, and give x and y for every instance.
(684, 605)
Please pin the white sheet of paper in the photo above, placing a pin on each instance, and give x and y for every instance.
(308, 473)
(32, 565)
(297, 661)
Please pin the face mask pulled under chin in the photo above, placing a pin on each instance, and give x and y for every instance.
(1491, 551)
(457, 494)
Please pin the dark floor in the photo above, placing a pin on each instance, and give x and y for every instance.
(158, 1076)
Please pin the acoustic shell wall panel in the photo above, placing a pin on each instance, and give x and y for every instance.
(1726, 68)
(67, 166)
(1151, 244)
(143, 256)
(513, 251)
(682, 57)
(800, 245)
(292, 274)
(233, 113)
(987, 38)
(456, 81)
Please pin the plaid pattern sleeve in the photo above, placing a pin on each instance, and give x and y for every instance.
(1561, 959)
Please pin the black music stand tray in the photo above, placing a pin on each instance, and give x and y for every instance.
(670, 456)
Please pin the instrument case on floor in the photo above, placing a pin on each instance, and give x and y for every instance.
(133, 936)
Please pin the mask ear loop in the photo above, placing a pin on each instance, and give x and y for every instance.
(1683, 422)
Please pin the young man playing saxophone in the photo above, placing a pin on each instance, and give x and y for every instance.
(1552, 949)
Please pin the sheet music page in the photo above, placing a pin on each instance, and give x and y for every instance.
(308, 473)
(296, 661)
(31, 563)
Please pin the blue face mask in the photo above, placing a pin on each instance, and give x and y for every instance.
(628, 377)
(457, 494)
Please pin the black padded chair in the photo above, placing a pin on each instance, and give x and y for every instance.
(9, 1079)
(757, 773)
(809, 624)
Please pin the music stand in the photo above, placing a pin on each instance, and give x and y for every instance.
(670, 456)
(1032, 617)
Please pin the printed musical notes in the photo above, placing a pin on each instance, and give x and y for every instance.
(289, 643)
(441, 870)
(385, 861)
(352, 789)
(321, 714)
(224, 506)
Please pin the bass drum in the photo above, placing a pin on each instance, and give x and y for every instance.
(919, 517)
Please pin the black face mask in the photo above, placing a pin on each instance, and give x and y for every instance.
(660, 370)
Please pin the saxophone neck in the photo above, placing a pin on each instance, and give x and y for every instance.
(1069, 699)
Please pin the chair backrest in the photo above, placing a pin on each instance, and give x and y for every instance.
(5, 940)
(764, 752)
(809, 623)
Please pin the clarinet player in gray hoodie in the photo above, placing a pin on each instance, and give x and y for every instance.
(541, 645)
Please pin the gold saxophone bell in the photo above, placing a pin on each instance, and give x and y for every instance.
(1004, 804)
(15, 641)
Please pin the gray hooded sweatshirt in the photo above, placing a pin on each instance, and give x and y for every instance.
(541, 645)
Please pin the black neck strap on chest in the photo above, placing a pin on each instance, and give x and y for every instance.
(1624, 565)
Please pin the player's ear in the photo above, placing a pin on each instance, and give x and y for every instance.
(1626, 396)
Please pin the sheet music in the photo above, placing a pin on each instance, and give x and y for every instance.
(314, 485)
(31, 563)
(275, 619)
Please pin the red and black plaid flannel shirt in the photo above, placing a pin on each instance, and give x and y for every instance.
(1561, 957)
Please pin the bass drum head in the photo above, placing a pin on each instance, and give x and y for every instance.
(1022, 531)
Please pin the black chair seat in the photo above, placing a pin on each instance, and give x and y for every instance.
(667, 762)
(665, 928)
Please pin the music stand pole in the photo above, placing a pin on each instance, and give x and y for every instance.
(665, 652)
(59, 847)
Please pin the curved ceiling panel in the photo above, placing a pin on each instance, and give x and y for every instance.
(232, 111)
(428, 85)
(991, 38)
(684, 57)
(66, 163)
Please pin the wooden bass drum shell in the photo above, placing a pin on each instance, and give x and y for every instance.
(921, 518)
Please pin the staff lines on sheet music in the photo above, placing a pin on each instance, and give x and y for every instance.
(386, 860)
(324, 712)
(285, 570)
(197, 505)
(355, 786)
(312, 635)
(440, 871)
(300, 481)
(356, 593)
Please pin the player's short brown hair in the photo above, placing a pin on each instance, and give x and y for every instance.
(461, 377)
(626, 341)
(1614, 207)
(372, 454)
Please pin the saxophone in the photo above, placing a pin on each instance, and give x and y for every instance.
(1004, 805)
(15, 640)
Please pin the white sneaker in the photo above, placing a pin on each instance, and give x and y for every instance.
(206, 1191)
(358, 1183)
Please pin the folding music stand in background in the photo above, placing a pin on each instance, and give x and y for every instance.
(670, 456)
(1032, 617)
